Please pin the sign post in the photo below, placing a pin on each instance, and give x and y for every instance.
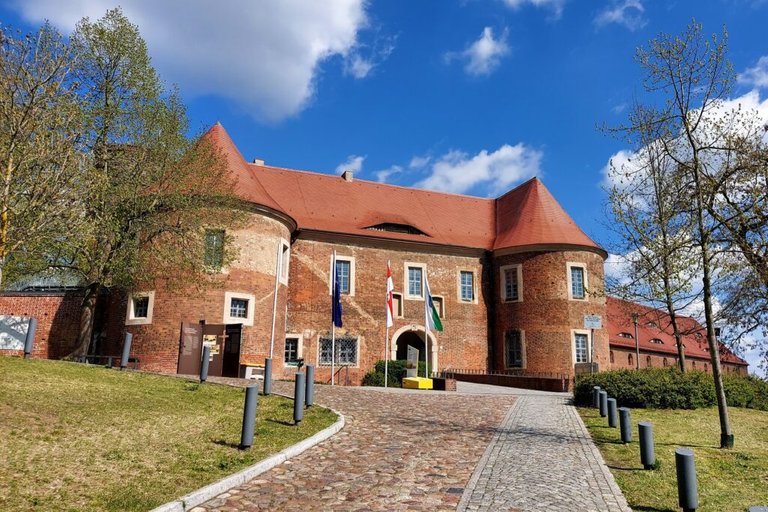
(592, 322)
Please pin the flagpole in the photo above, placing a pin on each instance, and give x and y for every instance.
(386, 357)
(427, 311)
(333, 323)
(389, 320)
(278, 268)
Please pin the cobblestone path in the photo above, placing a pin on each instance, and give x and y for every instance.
(542, 460)
(398, 451)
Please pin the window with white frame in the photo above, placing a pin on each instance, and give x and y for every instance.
(514, 350)
(512, 283)
(345, 270)
(140, 308)
(285, 260)
(239, 308)
(577, 281)
(292, 352)
(466, 286)
(346, 350)
(414, 280)
(581, 347)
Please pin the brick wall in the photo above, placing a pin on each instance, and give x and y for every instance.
(58, 319)
(253, 273)
(624, 358)
(463, 342)
(546, 316)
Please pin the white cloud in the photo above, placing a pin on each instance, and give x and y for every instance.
(383, 175)
(262, 55)
(616, 268)
(354, 163)
(362, 59)
(459, 172)
(556, 6)
(627, 12)
(419, 162)
(483, 56)
(756, 76)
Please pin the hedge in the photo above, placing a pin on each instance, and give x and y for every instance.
(396, 373)
(669, 388)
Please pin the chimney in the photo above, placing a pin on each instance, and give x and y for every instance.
(347, 175)
(258, 161)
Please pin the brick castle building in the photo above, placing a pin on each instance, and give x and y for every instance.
(512, 278)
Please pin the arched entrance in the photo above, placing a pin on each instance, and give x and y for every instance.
(413, 335)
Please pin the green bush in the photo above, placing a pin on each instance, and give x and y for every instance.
(396, 374)
(668, 388)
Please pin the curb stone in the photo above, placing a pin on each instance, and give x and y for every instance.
(210, 491)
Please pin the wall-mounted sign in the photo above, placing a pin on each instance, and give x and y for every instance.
(209, 340)
(593, 322)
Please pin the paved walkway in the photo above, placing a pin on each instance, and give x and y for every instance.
(411, 451)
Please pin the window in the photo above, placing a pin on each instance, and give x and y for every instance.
(439, 305)
(577, 282)
(397, 304)
(285, 260)
(513, 349)
(511, 283)
(706, 367)
(665, 362)
(581, 345)
(292, 350)
(466, 286)
(648, 361)
(693, 364)
(413, 284)
(343, 274)
(346, 350)
(140, 308)
(345, 269)
(625, 335)
(214, 249)
(611, 355)
(657, 341)
(630, 360)
(238, 308)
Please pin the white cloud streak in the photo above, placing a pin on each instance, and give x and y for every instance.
(756, 76)
(627, 12)
(262, 55)
(483, 56)
(556, 6)
(458, 172)
(353, 163)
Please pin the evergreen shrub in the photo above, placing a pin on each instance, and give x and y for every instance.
(396, 373)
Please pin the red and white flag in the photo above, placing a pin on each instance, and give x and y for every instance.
(390, 289)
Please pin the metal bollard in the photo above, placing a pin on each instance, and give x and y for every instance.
(29, 342)
(205, 363)
(309, 399)
(647, 454)
(595, 396)
(298, 399)
(249, 415)
(126, 351)
(268, 376)
(603, 403)
(625, 424)
(687, 487)
(612, 412)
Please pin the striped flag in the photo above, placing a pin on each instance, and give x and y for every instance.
(430, 311)
(390, 289)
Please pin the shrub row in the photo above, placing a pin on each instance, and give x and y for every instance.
(669, 388)
(396, 373)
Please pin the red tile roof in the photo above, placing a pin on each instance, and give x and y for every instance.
(655, 324)
(527, 216)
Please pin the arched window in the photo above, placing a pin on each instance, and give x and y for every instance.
(693, 364)
(665, 362)
(630, 360)
(648, 362)
(706, 368)
(611, 356)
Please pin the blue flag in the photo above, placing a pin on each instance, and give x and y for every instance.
(336, 300)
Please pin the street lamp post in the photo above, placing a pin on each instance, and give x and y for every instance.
(637, 342)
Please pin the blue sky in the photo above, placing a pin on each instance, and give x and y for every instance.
(467, 96)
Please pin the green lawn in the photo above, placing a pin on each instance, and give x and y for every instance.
(729, 480)
(77, 437)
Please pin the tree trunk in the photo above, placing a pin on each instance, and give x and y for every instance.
(87, 315)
